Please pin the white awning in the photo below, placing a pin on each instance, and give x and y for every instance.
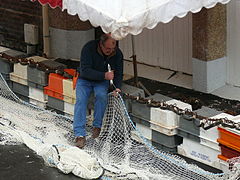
(121, 17)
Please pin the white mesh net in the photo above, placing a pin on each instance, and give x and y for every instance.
(115, 153)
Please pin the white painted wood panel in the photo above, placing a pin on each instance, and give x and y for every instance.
(233, 42)
(167, 45)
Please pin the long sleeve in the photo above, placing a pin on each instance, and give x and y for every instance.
(86, 65)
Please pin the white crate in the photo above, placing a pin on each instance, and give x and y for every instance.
(136, 137)
(69, 108)
(69, 99)
(166, 117)
(20, 70)
(180, 104)
(18, 79)
(37, 94)
(145, 131)
(199, 152)
(224, 166)
(209, 137)
(170, 131)
(68, 88)
(237, 120)
(42, 104)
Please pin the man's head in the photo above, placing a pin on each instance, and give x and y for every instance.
(107, 44)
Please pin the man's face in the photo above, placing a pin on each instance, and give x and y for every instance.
(108, 47)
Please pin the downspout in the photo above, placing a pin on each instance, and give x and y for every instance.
(46, 34)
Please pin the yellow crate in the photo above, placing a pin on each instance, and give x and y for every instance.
(18, 79)
(68, 88)
(20, 70)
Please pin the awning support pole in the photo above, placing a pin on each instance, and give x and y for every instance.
(134, 62)
(46, 34)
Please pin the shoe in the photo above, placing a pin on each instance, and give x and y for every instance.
(96, 131)
(80, 142)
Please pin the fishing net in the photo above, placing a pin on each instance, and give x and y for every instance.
(120, 152)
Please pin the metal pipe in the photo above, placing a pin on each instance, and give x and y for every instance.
(46, 34)
(134, 62)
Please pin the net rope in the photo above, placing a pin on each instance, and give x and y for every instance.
(120, 152)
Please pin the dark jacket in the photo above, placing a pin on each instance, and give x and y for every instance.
(93, 64)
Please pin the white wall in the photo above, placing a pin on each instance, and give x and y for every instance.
(167, 45)
(68, 44)
(233, 43)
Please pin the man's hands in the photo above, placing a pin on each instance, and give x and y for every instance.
(116, 91)
(109, 75)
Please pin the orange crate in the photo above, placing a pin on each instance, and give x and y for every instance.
(52, 93)
(70, 71)
(229, 145)
(229, 137)
(55, 82)
(222, 157)
(228, 152)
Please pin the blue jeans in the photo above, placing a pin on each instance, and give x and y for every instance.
(83, 91)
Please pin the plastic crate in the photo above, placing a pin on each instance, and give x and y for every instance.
(209, 137)
(168, 141)
(145, 131)
(24, 98)
(55, 82)
(133, 91)
(18, 79)
(39, 77)
(169, 131)
(166, 117)
(199, 152)
(68, 88)
(69, 108)
(37, 94)
(139, 120)
(134, 136)
(229, 137)
(36, 102)
(56, 104)
(143, 110)
(6, 76)
(20, 70)
(229, 145)
(191, 126)
(229, 152)
(6, 66)
(21, 89)
(189, 135)
(164, 148)
(52, 93)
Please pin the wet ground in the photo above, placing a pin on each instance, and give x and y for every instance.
(18, 162)
(195, 98)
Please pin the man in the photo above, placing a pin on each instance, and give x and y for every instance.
(94, 77)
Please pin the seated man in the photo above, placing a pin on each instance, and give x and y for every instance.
(94, 77)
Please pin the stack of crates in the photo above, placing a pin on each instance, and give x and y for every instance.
(37, 80)
(229, 141)
(19, 81)
(69, 93)
(157, 125)
(6, 67)
(204, 149)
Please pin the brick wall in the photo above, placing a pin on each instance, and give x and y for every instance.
(13, 15)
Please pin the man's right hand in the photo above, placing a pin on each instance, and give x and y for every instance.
(109, 75)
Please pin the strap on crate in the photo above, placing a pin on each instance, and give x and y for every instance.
(75, 78)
